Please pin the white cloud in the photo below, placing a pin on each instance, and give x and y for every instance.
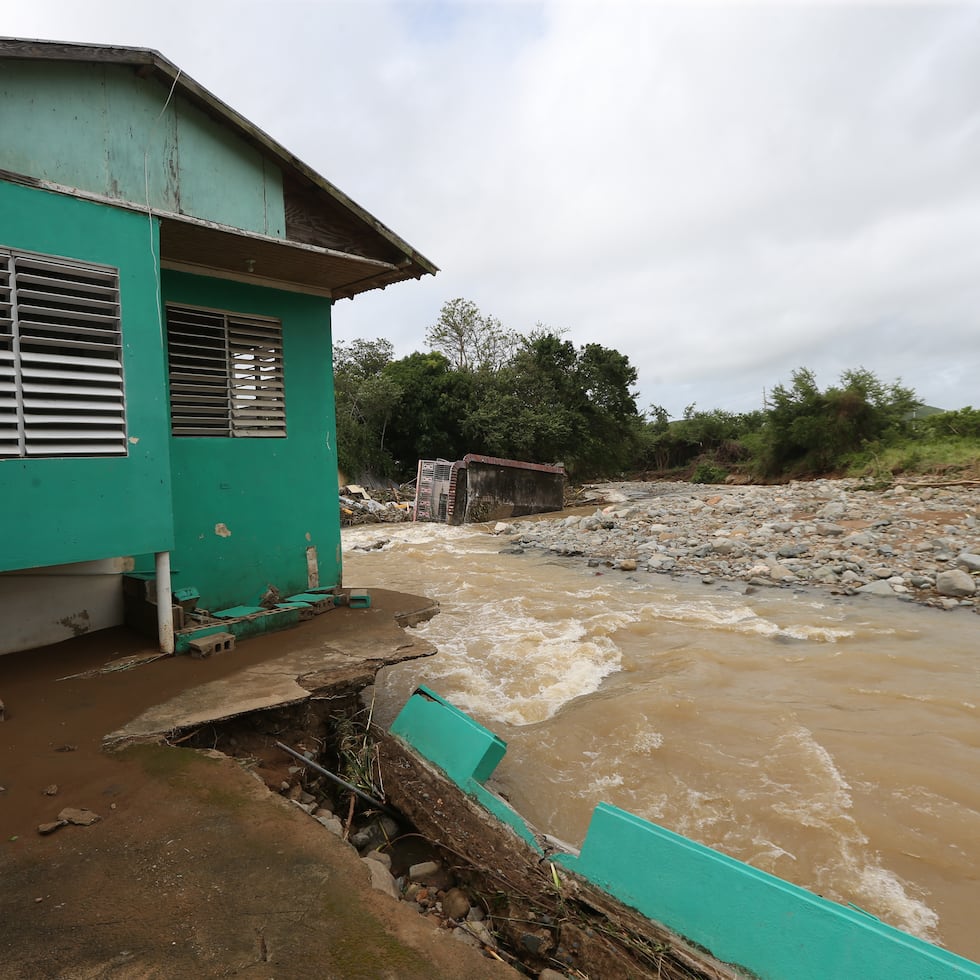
(724, 192)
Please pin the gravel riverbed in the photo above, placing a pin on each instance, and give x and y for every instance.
(915, 543)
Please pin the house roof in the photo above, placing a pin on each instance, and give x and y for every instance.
(332, 245)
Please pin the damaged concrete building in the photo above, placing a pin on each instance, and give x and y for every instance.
(167, 277)
(485, 488)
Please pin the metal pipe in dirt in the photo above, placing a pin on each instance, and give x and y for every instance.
(326, 772)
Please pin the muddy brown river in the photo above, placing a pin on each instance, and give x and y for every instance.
(831, 741)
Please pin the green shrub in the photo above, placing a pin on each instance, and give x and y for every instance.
(708, 473)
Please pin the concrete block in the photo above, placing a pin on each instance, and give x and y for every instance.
(204, 646)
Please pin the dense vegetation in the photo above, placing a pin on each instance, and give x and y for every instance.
(481, 388)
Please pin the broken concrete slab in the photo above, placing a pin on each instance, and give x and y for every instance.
(359, 648)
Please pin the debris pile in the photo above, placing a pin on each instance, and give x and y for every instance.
(475, 882)
(386, 505)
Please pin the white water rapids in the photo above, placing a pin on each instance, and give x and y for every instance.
(831, 741)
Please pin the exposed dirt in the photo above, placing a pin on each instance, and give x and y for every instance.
(194, 869)
(548, 919)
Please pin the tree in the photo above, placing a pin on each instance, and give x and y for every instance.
(468, 339)
(563, 404)
(809, 430)
(435, 400)
(366, 401)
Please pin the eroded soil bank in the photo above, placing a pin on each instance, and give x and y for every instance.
(207, 851)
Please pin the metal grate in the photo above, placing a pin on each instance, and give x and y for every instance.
(226, 374)
(61, 374)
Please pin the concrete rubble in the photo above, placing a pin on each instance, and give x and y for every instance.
(358, 506)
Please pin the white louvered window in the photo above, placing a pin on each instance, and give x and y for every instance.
(61, 377)
(226, 375)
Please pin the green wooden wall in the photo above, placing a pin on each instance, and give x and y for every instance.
(100, 128)
(57, 511)
(276, 497)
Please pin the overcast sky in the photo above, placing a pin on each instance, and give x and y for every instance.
(724, 192)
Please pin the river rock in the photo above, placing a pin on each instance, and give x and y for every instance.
(756, 535)
(79, 816)
(382, 857)
(424, 870)
(970, 562)
(381, 879)
(480, 932)
(332, 823)
(455, 904)
(955, 583)
(793, 550)
(878, 587)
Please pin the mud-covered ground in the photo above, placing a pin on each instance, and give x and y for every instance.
(194, 868)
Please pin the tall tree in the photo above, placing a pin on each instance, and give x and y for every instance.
(366, 400)
(470, 340)
(434, 403)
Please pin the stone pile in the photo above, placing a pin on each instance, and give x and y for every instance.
(920, 544)
(428, 885)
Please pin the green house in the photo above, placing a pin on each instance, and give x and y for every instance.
(167, 278)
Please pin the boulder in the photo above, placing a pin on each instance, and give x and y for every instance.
(381, 879)
(968, 561)
(956, 583)
(455, 904)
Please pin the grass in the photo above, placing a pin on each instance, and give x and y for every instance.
(945, 458)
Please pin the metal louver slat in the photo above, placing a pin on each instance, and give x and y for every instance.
(72, 447)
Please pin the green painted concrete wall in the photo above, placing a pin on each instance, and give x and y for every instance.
(100, 128)
(68, 510)
(763, 925)
(462, 748)
(276, 497)
(747, 917)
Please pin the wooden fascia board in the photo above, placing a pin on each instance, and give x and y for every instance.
(49, 185)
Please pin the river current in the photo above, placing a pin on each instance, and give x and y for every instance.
(831, 741)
